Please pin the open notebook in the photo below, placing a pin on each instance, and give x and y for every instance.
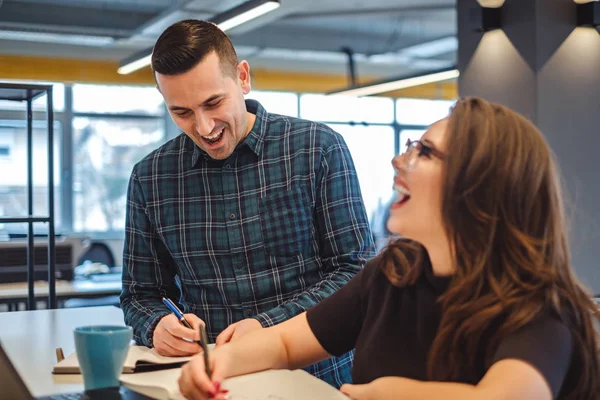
(139, 359)
(272, 384)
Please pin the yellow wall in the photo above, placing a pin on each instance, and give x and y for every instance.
(85, 71)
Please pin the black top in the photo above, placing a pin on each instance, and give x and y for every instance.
(393, 328)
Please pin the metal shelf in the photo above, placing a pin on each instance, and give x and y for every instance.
(27, 93)
(18, 92)
(30, 218)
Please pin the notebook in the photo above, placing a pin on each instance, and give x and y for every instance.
(280, 384)
(139, 359)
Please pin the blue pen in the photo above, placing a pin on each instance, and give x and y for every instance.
(175, 310)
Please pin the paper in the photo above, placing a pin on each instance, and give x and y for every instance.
(280, 385)
(161, 385)
(265, 385)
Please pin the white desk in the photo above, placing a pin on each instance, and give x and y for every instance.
(18, 291)
(30, 339)
(15, 293)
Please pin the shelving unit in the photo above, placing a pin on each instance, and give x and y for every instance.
(27, 93)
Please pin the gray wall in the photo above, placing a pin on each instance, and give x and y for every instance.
(541, 65)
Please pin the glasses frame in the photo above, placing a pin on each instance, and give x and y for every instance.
(416, 149)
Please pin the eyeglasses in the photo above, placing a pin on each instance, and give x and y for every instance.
(416, 149)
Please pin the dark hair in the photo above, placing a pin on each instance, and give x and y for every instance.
(185, 43)
(503, 212)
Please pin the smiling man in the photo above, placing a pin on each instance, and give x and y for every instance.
(246, 219)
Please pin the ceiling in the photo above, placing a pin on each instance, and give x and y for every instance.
(387, 37)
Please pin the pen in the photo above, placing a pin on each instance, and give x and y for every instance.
(175, 310)
(204, 338)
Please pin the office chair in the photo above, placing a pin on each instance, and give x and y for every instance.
(97, 252)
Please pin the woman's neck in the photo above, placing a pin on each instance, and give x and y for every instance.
(441, 257)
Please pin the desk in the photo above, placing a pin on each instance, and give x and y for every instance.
(15, 293)
(30, 339)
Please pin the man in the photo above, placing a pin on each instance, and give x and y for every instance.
(246, 219)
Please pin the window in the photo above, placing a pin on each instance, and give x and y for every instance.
(276, 102)
(345, 109)
(105, 151)
(113, 128)
(114, 99)
(13, 185)
(372, 150)
(421, 111)
(7, 142)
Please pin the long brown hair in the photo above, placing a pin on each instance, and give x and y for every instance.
(504, 215)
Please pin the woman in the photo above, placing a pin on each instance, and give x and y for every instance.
(477, 300)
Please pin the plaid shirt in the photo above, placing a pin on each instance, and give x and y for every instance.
(266, 233)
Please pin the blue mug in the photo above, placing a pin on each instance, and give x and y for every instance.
(101, 351)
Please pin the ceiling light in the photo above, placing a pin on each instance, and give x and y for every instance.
(398, 83)
(491, 3)
(44, 37)
(226, 20)
(135, 62)
(588, 13)
(491, 14)
(243, 13)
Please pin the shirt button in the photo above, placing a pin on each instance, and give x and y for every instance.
(248, 313)
(232, 216)
(227, 166)
(240, 266)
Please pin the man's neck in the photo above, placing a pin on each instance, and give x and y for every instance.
(250, 119)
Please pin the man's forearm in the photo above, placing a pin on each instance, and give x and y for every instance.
(142, 313)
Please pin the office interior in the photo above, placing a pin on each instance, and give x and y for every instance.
(539, 58)
(65, 165)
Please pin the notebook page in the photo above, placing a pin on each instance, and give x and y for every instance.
(280, 385)
(265, 385)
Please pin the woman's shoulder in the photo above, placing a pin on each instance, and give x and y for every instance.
(398, 264)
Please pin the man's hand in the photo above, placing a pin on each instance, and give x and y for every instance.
(237, 329)
(170, 336)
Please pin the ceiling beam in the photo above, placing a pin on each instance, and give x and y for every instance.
(370, 11)
(300, 38)
(70, 16)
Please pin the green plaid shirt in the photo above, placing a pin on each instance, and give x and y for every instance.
(266, 233)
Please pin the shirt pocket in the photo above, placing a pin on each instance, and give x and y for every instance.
(286, 222)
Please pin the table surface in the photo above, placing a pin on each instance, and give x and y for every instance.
(18, 291)
(30, 339)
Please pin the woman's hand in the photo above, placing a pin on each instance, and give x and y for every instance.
(386, 387)
(368, 391)
(195, 384)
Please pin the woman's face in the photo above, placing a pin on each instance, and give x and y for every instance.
(416, 212)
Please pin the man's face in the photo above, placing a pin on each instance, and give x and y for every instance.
(208, 105)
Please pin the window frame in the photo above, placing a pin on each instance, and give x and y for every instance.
(67, 115)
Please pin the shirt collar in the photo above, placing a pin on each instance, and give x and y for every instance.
(439, 283)
(255, 138)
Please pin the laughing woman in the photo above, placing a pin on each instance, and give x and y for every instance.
(476, 300)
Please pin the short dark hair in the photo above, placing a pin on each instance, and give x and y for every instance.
(185, 43)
